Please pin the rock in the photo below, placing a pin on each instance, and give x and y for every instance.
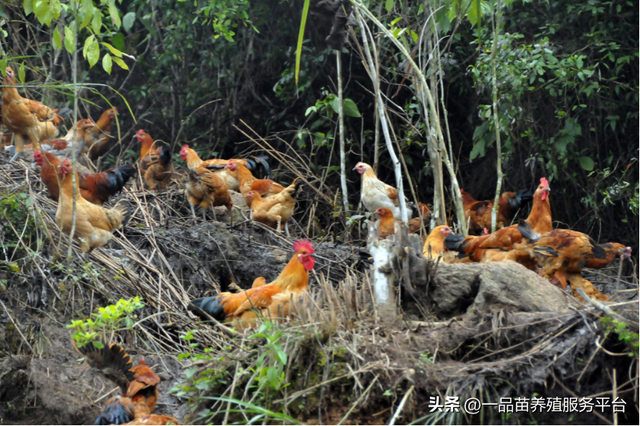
(478, 288)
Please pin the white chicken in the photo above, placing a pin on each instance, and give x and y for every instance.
(375, 194)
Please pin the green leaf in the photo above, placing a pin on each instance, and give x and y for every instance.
(303, 23)
(98, 344)
(96, 22)
(128, 20)
(115, 16)
(113, 50)
(351, 109)
(586, 163)
(478, 150)
(118, 41)
(107, 63)
(120, 63)
(69, 41)
(57, 38)
(91, 50)
(28, 7)
(21, 73)
(388, 5)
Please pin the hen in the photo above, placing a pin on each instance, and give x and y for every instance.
(563, 251)
(94, 224)
(375, 193)
(435, 244)
(205, 189)
(65, 147)
(273, 300)
(99, 138)
(95, 187)
(424, 216)
(138, 386)
(277, 209)
(156, 166)
(387, 223)
(478, 213)
(218, 166)
(247, 182)
(28, 120)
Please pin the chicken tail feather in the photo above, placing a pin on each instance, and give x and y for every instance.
(117, 411)
(206, 307)
(527, 232)
(111, 360)
(126, 208)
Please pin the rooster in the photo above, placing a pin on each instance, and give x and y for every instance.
(99, 138)
(478, 213)
(205, 189)
(28, 120)
(276, 210)
(435, 244)
(563, 251)
(94, 187)
(218, 166)
(269, 300)
(375, 193)
(138, 386)
(94, 224)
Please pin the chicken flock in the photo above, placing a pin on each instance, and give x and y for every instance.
(559, 255)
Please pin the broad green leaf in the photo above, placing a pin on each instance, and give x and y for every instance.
(303, 23)
(351, 109)
(91, 51)
(28, 7)
(43, 13)
(115, 16)
(118, 41)
(14, 267)
(478, 150)
(88, 16)
(128, 21)
(113, 50)
(107, 62)
(96, 22)
(120, 62)
(388, 4)
(98, 344)
(57, 37)
(586, 163)
(69, 41)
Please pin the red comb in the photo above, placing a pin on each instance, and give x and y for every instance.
(185, 146)
(544, 181)
(303, 245)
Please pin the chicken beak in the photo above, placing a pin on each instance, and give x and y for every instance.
(355, 168)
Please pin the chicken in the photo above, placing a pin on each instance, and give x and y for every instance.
(424, 216)
(156, 166)
(64, 147)
(205, 189)
(94, 224)
(138, 386)
(273, 300)
(246, 181)
(146, 141)
(577, 281)
(99, 139)
(468, 247)
(276, 210)
(218, 166)
(95, 187)
(435, 244)
(504, 239)
(375, 193)
(478, 213)
(387, 223)
(565, 251)
(28, 120)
